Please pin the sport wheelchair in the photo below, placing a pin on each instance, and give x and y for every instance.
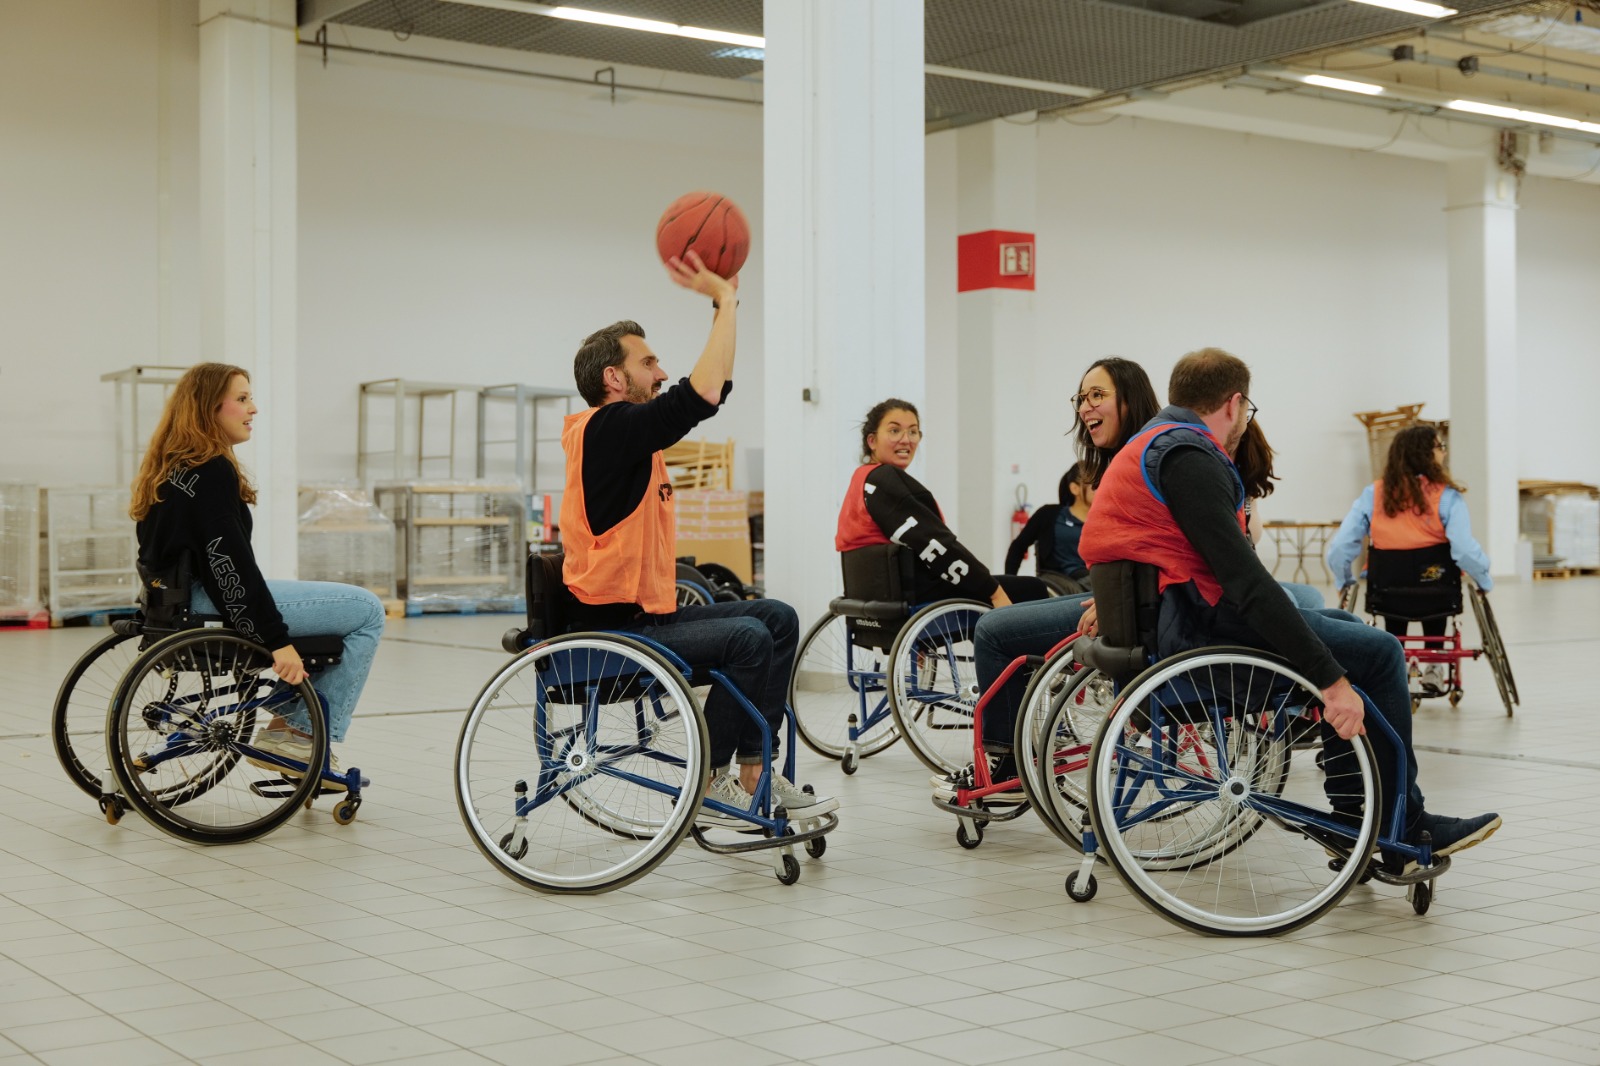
(170, 702)
(584, 761)
(1422, 585)
(877, 667)
(1216, 809)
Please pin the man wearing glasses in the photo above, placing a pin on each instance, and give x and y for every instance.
(1173, 498)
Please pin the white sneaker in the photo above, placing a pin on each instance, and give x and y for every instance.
(1433, 679)
(726, 789)
(799, 803)
(287, 744)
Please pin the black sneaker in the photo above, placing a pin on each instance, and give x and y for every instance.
(1001, 768)
(1450, 835)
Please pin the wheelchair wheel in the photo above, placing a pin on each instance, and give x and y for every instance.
(1495, 649)
(1207, 811)
(934, 683)
(1348, 595)
(1068, 717)
(834, 679)
(78, 718)
(180, 730)
(692, 595)
(581, 764)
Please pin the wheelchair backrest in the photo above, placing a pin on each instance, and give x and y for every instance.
(878, 573)
(164, 596)
(1414, 583)
(547, 597)
(1127, 601)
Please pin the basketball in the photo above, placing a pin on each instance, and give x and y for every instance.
(708, 224)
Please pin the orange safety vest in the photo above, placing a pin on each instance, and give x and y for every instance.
(1408, 529)
(632, 562)
(1131, 524)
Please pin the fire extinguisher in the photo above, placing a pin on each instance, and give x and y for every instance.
(1019, 517)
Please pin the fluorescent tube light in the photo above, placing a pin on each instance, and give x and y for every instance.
(627, 22)
(1413, 7)
(1342, 84)
(1516, 114)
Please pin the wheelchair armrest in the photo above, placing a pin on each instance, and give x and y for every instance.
(879, 609)
(1110, 660)
(321, 649)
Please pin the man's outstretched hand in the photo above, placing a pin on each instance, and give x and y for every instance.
(691, 273)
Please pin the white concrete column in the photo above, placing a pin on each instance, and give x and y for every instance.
(996, 189)
(844, 262)
(247, 239)
(1481, 213)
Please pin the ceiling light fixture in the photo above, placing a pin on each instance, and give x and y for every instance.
(1342, 84)
(625, 22)
(1516, 114)
(1413, 7)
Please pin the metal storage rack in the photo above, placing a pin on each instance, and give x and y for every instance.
(141, 393)
(532, 408)
(458, 544)
(418, 407)
(91, 551)
(19, 553)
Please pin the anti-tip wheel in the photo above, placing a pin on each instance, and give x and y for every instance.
(1091, 886)
(1421, 896)
(815, 848)
(791, 870)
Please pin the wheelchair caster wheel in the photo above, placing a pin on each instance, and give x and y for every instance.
(113, 807)
(1421, 896)
(1090, 887)
(1416, 701)
(1455, 697)
(969, 839)
(851, 763)
(505, 846)
(345, 813)
(791, 870)
(815, 848)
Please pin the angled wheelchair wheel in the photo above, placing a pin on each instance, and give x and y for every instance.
(1348, 596)
(1209, 813)
(1065, 719)
(581, 764)
(78, 717)
(934, 682)
(180, 733)
(1495, 649)
(834, 680)
(692, 594)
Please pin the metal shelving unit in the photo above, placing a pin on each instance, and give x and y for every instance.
(418, 408)
(142, 391)
(458, 544)
(91, 551)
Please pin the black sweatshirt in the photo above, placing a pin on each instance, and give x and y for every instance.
(619, 445)
(1200, 492)
(200, 512)
(908, 514)
(1040, 529)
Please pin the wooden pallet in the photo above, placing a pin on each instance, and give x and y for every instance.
(1555, 573)
(394, 608)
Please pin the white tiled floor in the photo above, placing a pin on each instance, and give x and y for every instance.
(392, 939)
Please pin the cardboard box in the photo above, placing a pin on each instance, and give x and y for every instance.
(714, 527)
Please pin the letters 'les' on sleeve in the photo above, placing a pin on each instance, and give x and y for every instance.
(910, 522)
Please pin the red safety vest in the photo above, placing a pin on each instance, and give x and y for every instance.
(1408, 529)
(632, 562)
(1131, 525)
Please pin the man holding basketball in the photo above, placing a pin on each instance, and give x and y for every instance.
(618, 529)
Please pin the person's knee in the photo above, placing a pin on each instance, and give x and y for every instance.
(749, 643)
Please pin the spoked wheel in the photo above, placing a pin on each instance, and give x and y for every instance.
(934, 682)
(78, 719)
(834, 680)
(1207, 811)
(582, 764)
(692, 594)
(1348, 595)
(1495, 649)
(181, 730)
(1070, 718)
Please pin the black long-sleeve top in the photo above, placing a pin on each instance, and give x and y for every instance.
(907, 513)
(1200, 493)
(1040, 529)
(200, 512)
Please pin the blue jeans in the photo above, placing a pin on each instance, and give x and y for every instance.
(1002, 635)
(753, 643)
(310, 608)
(1304, 596)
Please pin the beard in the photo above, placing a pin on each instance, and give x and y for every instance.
(638, 393)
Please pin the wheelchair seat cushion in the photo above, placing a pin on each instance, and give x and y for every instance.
(1416, 584)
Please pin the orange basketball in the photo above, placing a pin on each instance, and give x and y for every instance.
(710, 225)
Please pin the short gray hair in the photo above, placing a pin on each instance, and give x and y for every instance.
(601, 349)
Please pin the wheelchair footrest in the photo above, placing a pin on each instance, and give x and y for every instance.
(982, 814)
(820, 827)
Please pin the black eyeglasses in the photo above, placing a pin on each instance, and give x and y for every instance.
(1250, 415)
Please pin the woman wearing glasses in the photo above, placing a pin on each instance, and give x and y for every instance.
(884, 503)
(1415, 504)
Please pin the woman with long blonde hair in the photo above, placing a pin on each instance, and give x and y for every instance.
(191, 498)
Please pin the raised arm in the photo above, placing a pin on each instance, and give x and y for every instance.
(714, 369)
